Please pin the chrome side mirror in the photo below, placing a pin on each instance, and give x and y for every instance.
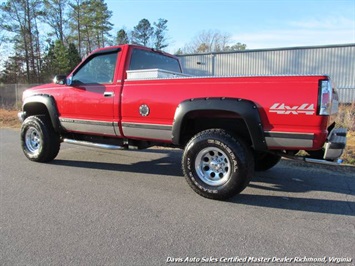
(60, 79)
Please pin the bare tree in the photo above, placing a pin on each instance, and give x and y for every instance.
(208, 41)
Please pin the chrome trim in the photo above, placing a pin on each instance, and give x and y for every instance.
(149, 131)
(89, 126)
(318, 161)
(93, 145)
(116, 128)
(289, 139)
(147, 126)
(289, 135)
(336, 143)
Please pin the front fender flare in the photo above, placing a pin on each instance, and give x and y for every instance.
(245, 109)
(49, 102)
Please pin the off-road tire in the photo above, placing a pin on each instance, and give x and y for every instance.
(265, 161)
(39, 141)
(217, 165)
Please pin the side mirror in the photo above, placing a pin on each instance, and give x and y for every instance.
(60, 79)
(69, 80)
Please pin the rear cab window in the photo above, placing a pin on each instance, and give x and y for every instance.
(144, 59)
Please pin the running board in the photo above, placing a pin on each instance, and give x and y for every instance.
(93, 145)
(310, 160)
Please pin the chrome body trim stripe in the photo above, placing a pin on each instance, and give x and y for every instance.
(289, 139)
(90, 126)
(149, 131)
(289, 135)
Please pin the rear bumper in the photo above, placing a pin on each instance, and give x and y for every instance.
(335, 144)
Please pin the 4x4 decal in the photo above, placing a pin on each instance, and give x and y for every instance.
(283, 109)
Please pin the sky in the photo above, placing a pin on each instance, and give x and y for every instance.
(257, 23)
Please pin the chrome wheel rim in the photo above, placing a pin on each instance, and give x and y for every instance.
(213, 166)
(32, 140)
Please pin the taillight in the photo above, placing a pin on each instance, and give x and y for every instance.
(325, 97)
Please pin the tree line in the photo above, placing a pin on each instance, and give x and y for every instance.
(49, 37)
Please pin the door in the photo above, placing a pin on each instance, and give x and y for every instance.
(88, 103)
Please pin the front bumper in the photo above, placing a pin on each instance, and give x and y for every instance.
(335, 145)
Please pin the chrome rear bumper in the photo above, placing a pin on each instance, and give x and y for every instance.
(335, 145)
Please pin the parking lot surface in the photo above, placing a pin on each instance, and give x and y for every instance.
(98, 207)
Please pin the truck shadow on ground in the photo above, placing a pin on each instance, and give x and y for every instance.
(288, 186)
(169, 165)
(275, 188)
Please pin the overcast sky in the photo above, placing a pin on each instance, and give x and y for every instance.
(257, 23)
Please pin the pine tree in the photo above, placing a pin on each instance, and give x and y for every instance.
(90, 24)
(13, 71)
(159, 34)
(122, 37)
(20, 17)
(61, 60)
(142, 33)
(73, 57)
(54, 16)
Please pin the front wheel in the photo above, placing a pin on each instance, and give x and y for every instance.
(39, 141)
(217, 165)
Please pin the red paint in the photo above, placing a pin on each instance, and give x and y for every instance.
(87, 102)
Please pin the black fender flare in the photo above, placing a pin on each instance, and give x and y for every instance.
(245, 109)
(49, 102)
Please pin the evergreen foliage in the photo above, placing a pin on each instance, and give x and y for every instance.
(142, 33)
(73, 29)
(122, 37)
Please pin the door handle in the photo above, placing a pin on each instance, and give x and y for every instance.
(108, 94)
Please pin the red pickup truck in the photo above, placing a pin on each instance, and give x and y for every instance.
(133, 97)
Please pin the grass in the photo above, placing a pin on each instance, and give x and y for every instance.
(8, 118)
(345, 118)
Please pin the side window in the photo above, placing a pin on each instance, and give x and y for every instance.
(99, 69)
(143, 59)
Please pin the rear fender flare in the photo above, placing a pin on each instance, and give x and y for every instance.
(245, 109)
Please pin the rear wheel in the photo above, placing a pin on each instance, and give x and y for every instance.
(217, 165)
(39, 141)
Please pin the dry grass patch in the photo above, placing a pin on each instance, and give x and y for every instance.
(346, 116)
(349, 153)
(8, 118)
